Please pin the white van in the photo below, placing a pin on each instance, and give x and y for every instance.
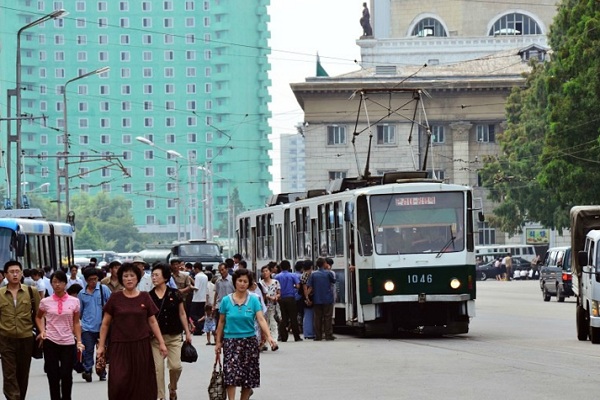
(525, 251)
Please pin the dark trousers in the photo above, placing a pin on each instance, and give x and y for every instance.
(89, 340)
(323, 321)
(289, 315)
(197, 312)
(16, 360)
(58, 364)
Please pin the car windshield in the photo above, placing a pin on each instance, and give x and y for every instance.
(418, 223)
(198, 249)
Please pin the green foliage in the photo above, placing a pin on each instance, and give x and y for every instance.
(550, 149)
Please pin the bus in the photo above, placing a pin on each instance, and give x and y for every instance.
(36, 243)
(525, 251)
(402, 246)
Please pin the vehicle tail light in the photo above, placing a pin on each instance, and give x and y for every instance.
(566, 276)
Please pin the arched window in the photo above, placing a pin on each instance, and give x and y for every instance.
(429, 27)
(515, 24)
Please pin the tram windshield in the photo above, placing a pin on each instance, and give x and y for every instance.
(418, 222)
(6, 250)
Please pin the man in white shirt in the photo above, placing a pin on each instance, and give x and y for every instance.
(36, 275)
(145, 284)
(199, 297)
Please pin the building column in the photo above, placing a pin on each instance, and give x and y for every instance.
(460, 152)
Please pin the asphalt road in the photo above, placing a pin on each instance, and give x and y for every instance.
(519, 347)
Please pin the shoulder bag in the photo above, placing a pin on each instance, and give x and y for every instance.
(38, 351)
(216, 387)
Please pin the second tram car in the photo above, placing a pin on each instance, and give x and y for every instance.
(402, 245)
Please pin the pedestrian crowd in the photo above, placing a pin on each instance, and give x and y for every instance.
(126, 323)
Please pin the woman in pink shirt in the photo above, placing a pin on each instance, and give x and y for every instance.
(58, 322)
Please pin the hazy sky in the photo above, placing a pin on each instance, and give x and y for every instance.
(300, 29)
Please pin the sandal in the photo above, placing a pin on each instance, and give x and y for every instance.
(172, 394)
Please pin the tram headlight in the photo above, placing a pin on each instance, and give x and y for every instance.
(454, 283)
(389, 286)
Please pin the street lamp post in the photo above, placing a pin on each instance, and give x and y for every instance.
(57, 14)
(65, 171)
(207, 171)
(176, 156)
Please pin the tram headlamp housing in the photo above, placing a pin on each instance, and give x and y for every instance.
(389, 286)
(454, 283)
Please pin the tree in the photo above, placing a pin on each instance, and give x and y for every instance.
(550, 149)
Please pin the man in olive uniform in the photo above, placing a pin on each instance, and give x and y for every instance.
(16, 331)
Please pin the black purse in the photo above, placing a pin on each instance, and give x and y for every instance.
(188, 353)
(38, 351)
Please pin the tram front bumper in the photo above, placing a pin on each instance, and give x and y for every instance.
(421, 298)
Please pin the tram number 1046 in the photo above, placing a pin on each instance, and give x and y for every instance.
(420, 278)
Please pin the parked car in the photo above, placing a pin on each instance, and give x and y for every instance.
(555, 274)
(486, 271)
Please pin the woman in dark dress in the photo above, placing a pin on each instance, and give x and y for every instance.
(130, 315)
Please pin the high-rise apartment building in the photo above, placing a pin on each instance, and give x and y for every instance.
(188, 77)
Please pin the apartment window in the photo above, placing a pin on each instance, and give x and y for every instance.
(127, 187)
(124, 22)
(169, 72)
(207, 71)
(436, 174)
(126, 122)
(191, 104)
(171, 171)
(101, 6)
(191, 138)
(59, 56)
(147, 22)
(207, 54)
(190, 38)
(206, 5)
(386, 134)
(59, 72)
(42, 72)
(104, 89)
(169, 105)
(169, 39)
(104, 106)
(190, 72)
(147, 39)
(83, 106)
(105, 122)
(336, 135)
(168, 5)
(169, 121)
(168, 22)
(208, 121)
(171, 203)
(148, 154)
(149, 187)
(126, 139)
(169, 55)
(125, 89)
(147, 56)
(169, 88)
(147, 72)
(206, 21)
(83, 123)
(59, 39)
(207, 38)
(42, 55)
(333, 175)
(190, 55)
(208, 105)
(125, 73)
(103, 56)
(150, 220)
(44, 139)
(79, 6)
(189, 5)
(102, 22)
(171, 187)
(146, 6)
(149, 122)
(149, 203)
(209, 153)
(147, 89)
(170, 138)
(83, 171)
(191, 88)
(148, 105)
(149, 171)
(207, 87)
(437, 134)
(124, 39)
(124, 6)
(84, 139)
(43, 106)
(191, 121)
(105, 172)
(486, 133)
(81, 39)
(125, 56)
(190, 22)
(82, 56)
(209, 137)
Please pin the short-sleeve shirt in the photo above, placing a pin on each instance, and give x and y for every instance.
(239, 318)
(168, 311)
(59, 327)
(287, 280)
(130, 316)
(322, 283)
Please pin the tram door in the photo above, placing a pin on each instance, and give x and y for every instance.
(351, 265)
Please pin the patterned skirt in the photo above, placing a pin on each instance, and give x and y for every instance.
(241, 365)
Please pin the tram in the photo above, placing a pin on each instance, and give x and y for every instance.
(36, 243)
(402, 245)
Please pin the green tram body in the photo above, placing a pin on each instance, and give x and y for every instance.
(403, 252)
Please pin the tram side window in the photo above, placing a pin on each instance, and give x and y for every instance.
(330, 230)
(323, 247)
(365, 246)
(308, 252)
(32, 253)
(270, 240)
(287, 236)
(339, 228)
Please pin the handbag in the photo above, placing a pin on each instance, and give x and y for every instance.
(100, 366)
(38, 351)
(188, 353)
(216, 387)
